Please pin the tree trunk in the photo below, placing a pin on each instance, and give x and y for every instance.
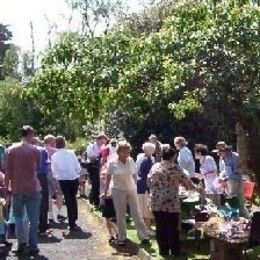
(249, 140)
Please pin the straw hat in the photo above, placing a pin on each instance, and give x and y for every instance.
(222, 146)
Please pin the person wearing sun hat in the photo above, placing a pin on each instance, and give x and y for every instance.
(229, 167)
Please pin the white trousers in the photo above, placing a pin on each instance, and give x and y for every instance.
(121, 198)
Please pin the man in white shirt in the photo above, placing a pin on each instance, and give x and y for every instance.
(185, 157)
(93, 159)
(66, 169)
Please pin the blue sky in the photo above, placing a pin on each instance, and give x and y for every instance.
(19, 13)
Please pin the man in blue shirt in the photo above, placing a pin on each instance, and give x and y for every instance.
(229, 165)
(42, 171)
(144, 164)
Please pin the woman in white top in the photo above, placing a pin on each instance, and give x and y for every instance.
(208, 169)
(122, 170)
(185, 157)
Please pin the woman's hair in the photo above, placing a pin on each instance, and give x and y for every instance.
(60, 142)
(180, 141)
(202, 149)
(122, 146)
(48, 138)
(101, 136)
(149, 146)
(168, 153)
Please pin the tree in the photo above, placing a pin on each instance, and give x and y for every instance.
(11, 62)
(196, 73)
(28, 64)
(98, 15)
(5, 36)
(149, 19)
(16, 110)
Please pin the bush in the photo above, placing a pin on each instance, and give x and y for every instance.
(79, 146)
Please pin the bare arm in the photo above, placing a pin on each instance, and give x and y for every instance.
(187, 183)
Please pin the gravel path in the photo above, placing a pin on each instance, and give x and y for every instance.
(90, 244)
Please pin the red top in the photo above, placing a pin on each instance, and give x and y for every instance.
(104, 154)
(21, 168)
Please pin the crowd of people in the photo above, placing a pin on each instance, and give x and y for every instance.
(149, 187)
(34, 173)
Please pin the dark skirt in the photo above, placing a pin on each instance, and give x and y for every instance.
(108, 210)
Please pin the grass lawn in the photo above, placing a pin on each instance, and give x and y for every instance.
(188, 246)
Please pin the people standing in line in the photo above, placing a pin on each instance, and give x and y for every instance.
(158, 147)
(42, 171)
(22, 181)
(94, 165)
(66, 169)
(122, 170)
(53, 184)
(144, 166)
(229, 165)
(209, 171)
(185, 158)
(164, 181)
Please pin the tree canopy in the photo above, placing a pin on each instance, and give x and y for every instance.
(194, 71)
(205, 55)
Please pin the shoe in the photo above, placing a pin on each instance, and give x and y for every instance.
(120, 242)
(75, 228)
(51, 220)
(42, 233)
(146, 242)
(60, 218)
(32, 252)
(112, 240)
(20, 249)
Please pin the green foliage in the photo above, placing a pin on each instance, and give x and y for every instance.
(5, 36)
(97, 14)
(28, 64)
(11, 62)
(15, 110)
(201, 57)
(5, 33)
(79, 145)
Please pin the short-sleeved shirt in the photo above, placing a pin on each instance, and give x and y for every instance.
(208, 168)
(145, 165)
(122, 173)
(186, 161)
(21, 168)
(164, 181)
(231, 166)
(93, 151)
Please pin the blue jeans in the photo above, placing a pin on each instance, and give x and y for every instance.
(31, 201)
